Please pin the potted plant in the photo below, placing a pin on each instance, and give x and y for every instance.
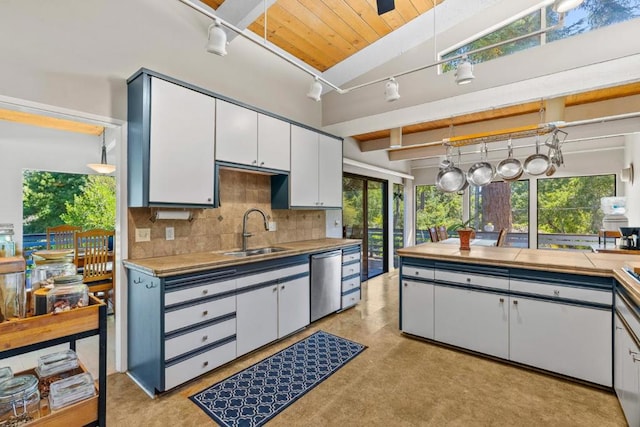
(465, 233)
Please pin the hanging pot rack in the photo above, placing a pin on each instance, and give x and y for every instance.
(500, 135)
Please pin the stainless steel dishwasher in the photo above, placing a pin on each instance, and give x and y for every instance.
(326, 280)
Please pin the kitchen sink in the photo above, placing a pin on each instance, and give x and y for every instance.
(258, 251)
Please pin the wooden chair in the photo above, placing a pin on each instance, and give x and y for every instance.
(442, 233)
(433, 234)
(502, 237)
(62, 236)
(97, 261)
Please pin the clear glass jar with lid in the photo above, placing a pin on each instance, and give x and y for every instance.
(68, 292)
(13, 293)
(45, 270)
(19, 400)
(7, 245)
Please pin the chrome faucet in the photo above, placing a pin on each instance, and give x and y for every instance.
(246, 235)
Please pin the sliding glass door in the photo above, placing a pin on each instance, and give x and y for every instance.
(364, 216)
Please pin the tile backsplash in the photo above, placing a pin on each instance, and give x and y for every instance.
(220, 229)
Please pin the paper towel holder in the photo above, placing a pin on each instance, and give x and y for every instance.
(171, 214)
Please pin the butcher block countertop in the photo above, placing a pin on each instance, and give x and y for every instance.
(199, 261)
(588, 263)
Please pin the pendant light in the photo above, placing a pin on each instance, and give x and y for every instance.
(103, 167)
(217, 40)
(464, 72)
(562, 6)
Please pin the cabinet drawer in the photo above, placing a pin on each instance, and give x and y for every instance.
(350, 299)
(417, 272)
(471, 279)
(565, 292)
(269, 276)
(351, 269)
(628, 315)
(191, 315)
(199, 364)
(350, 284)
(185, 343)
(346, 258)
(210, 289)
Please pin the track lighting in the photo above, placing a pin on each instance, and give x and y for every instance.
(391, 90)
(315, 90)
(217, 39)
(464, 72)
(562, 6)
(103, 166)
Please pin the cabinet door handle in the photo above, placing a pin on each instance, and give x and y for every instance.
(261, 163)
(275, 289)
(205, 337)
(205, 291)
(515, 303)
(282, 287)
(206, 312)
(417, 273)
(501, 299)
(556, 293)
(468, 279)
(405, 284)
(254, 162)
(205, 364)
(208, 199)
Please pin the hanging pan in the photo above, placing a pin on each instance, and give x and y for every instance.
(482, 172)
(451, 179)
(537, 164)
(510, 169)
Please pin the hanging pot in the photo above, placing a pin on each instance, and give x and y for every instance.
(451, 179)
(537, 164)
(482, 172)
(510, 169)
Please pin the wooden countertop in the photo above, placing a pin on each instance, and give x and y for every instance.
(199, 261)
(593, 264)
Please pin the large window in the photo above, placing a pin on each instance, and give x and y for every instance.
(591, 15)
(434, 208)
(569, 214)
(501, 205)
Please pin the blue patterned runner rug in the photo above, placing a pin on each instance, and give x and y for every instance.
(258, 393)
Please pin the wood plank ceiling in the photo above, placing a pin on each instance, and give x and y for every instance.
(323, 33)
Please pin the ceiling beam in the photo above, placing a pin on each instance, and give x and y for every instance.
(50, 122)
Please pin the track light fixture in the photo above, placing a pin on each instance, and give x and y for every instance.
(464, 72)
(315, 90)
(103, 167)
(217, 39)
(562, 6)
(391, 90)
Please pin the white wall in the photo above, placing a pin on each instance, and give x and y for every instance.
(78, 55)
(631, 190)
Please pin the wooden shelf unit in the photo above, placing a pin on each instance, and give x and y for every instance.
(21, 336)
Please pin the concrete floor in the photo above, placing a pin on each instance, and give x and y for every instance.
(397, 381)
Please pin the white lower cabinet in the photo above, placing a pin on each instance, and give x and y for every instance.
(568, 339)
(417, 308)
(266, 313)
(293, 306)
(257, 318)
(627, 373)
(476, 320)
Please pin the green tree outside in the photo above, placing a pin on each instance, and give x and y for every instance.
(95, 207)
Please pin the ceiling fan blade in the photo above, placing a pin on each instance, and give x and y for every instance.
(385, 6)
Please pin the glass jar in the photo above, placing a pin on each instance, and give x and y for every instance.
(68, 293)
(5, 373)
(7, 245)
(19, 400)
(13, 292)
(45, 270)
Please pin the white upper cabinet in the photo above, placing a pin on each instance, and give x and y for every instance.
(181, 147)
(274, 143)
(316, 169)
(250, 138)
(330, 171)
